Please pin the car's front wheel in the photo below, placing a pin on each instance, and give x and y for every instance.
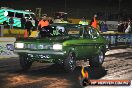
(97, 61)
(70, 62)
(24, 62)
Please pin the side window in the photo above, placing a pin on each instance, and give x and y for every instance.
(93, 33)
(86, 34)
(27, 16)
(33, 16)
(19, 15)
(60, 28)
(10, 14)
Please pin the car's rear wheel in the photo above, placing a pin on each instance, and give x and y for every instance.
(24, 62)
(97, 61)
(70, 62)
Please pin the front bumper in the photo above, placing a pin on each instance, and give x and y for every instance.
(47, 55)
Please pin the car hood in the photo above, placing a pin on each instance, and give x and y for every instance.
(58, 39)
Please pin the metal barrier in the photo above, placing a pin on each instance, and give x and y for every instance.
(7, 47)
(119, 39)
(1, 30)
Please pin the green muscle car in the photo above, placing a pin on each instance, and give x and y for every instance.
(63, 44)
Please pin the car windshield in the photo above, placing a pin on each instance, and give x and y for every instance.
(60, 30)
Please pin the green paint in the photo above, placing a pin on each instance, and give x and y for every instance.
(84, 47)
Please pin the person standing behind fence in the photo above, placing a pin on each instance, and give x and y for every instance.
(43, 22)
(11, 22)
(83, 21)
(36, 23)
(120, 27)
(23, 22)
(129, 28)
(104, 27)
(94, 22)
(28, 27)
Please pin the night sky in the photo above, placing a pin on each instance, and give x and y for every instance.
(64, 3)
(73, 7)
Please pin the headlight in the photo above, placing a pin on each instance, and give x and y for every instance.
(19, 45)
(57, 47)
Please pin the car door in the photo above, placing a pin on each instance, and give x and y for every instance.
(94, 40)
(79, 44)
(88, 42)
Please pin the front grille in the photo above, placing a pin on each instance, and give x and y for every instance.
(27, 46)
(37, 46)
(33, 46)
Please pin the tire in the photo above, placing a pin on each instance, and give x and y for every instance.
(25, 63)
(70, 62)
(59, 63)
(97, 61)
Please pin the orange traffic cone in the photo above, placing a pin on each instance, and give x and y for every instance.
(25, 34)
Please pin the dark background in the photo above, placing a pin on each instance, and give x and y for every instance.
(69, 3)
(75, 8)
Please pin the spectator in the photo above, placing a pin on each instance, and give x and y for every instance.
(125, 25)
(28, 26)
(129, 28)
(11, 22)
(94, 22)
(83, 21)
(120, 27)
(42, 25)
(43, 22)
(36, 23)
(23, 22)
(104, 26)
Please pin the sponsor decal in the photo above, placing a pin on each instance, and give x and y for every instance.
(5, 49)
(86, 82)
